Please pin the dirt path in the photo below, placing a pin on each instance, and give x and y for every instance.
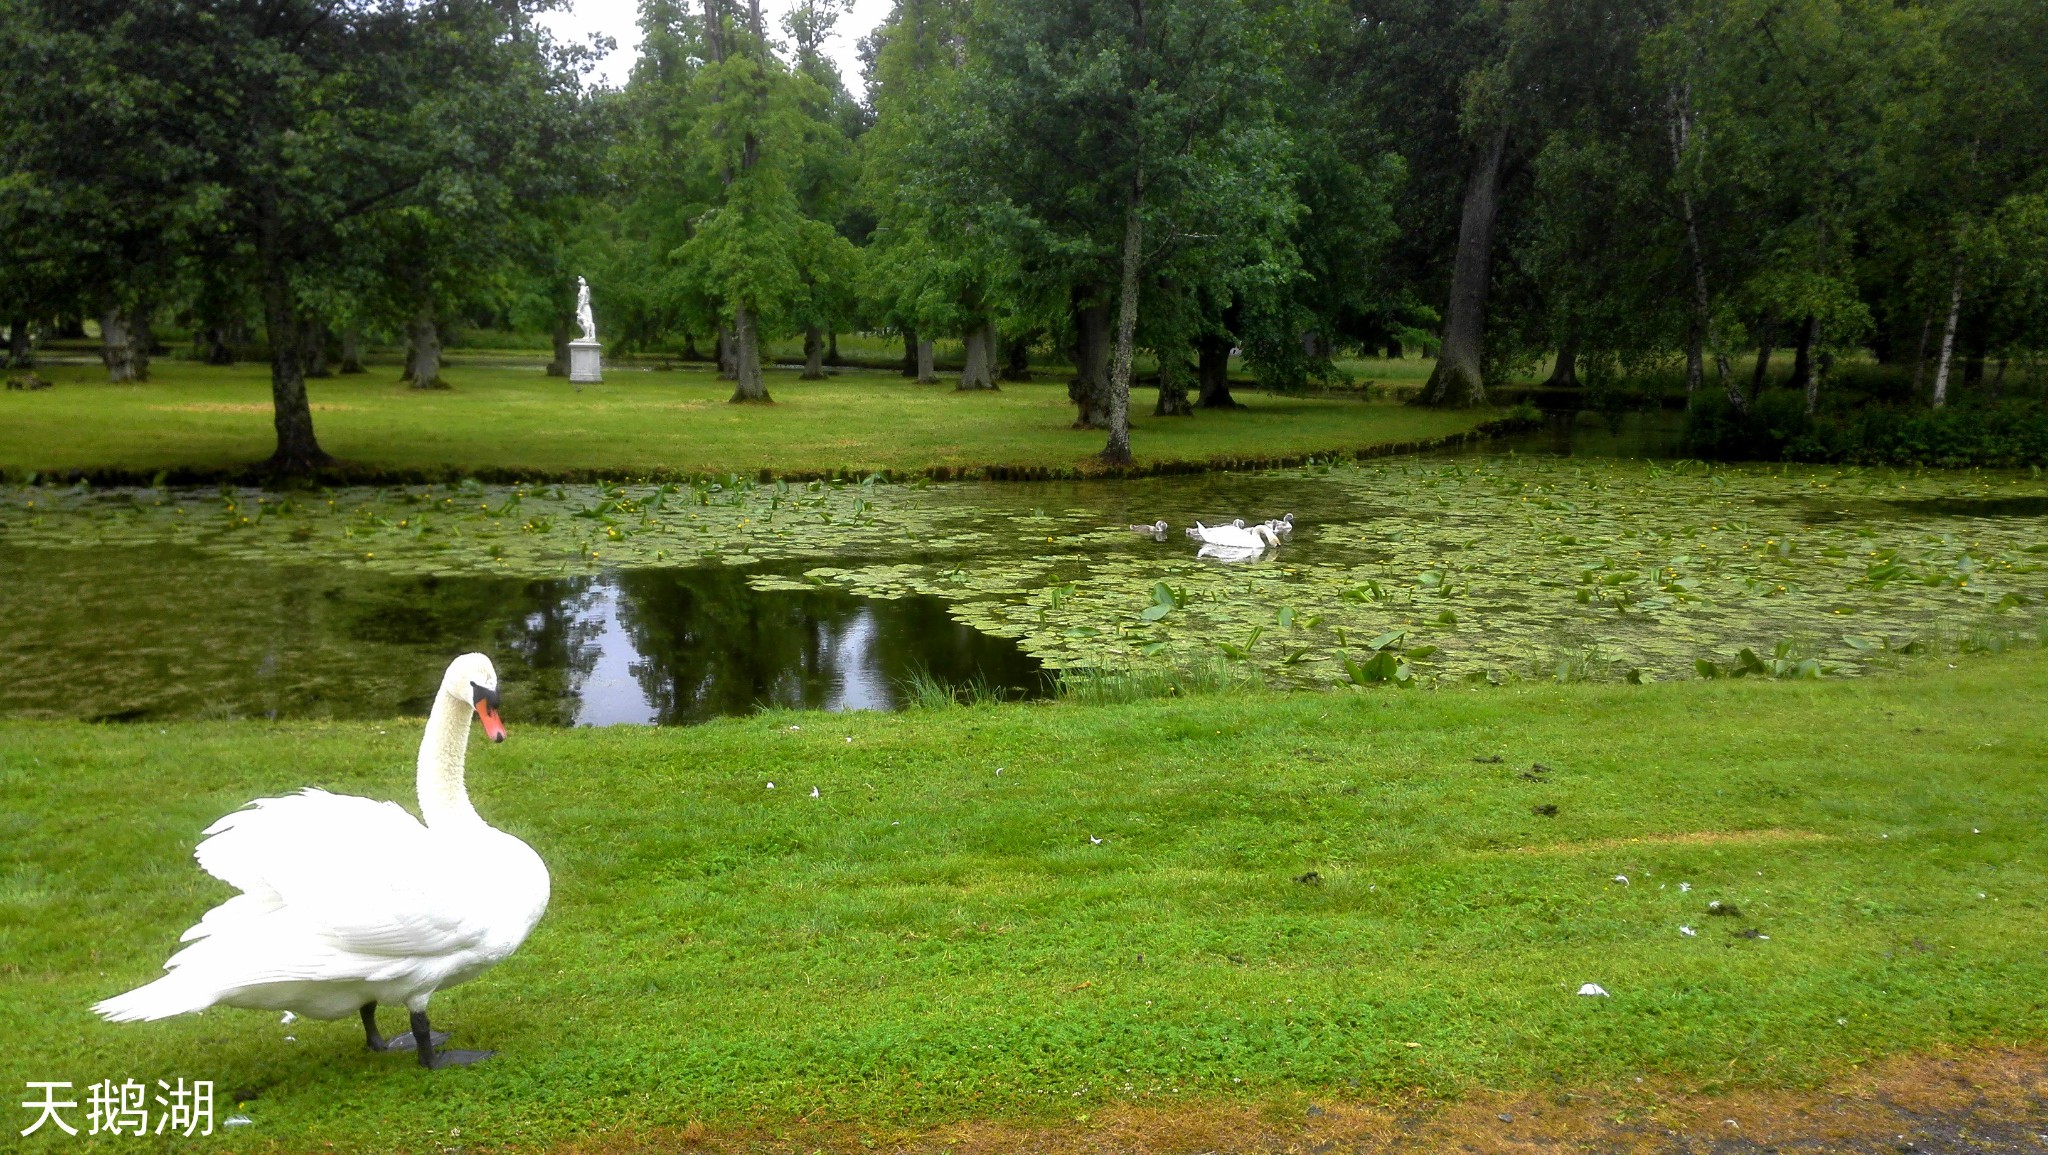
(1974, 1102)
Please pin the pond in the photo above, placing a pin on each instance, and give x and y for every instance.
(169, 631)
(636, 603)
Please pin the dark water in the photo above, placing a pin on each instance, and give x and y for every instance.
(1652, 434)
(169, 633)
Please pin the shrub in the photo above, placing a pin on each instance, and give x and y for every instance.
(1777, 428)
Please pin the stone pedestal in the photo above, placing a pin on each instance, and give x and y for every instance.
(584, 363)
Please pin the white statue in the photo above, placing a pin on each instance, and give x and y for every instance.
(583, 316)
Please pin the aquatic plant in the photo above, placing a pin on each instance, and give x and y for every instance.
(1486, 568)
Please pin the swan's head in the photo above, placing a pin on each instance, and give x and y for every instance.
(1238, 522)
(473, 680)
(1159, 526)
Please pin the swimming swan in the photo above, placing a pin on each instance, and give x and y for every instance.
(1254, 539)
(1156, 531)
(347, 903)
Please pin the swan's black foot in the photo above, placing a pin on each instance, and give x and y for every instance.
(374, 1040)
(431, 1056)
(442, 1059)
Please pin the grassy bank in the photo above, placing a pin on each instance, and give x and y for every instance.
(1339, 893)
(200, 421)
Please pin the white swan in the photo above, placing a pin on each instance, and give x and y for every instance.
(1254, 539)
(347, 903)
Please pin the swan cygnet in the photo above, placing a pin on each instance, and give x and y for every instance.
(347, 902)
(1157, 530)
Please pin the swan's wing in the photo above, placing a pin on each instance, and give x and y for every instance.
(1229, 536)
(363, 876)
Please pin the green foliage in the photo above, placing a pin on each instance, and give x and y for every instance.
(1778, 428)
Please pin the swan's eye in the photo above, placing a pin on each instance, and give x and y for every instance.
(483, 694)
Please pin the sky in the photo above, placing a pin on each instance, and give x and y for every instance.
(617, 19)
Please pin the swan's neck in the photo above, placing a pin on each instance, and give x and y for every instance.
(444, 799)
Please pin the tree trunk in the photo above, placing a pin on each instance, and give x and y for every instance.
(1173, 388)
(832, 348)
(927, 369)
(1995, 391)
(560, 332)
(313, 348)
(1802, 354)
(1948, 338)
(214, 346)
(352, 349)
(142, 336)
(298, 452)
(1212, 370)
(1017, 359)
(20, 352)
(1764, 350)
(423, 360)
(746, 358)
(814, 354)
(1808, 343)
(117, 350)
(1695, 363)
(1089, 391)
(979, 371)
(1118, 451)
(1920, 358)
(910, 353)
(1702, 303)
(1460, 376)
(728, 364)
(1394, 350)
(1973, 367)
(690, 351)
(1564, 373)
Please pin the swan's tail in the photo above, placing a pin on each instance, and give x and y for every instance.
(173, 994)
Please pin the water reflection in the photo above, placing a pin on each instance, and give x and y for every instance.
(700, 643)
(168, 633)
(1653, 434)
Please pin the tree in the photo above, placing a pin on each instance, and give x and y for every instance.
(301, 125)
(1134, 133)
(745, 251)
(916, 58)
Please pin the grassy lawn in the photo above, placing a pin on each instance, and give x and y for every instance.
(928, 939)
(516, 421)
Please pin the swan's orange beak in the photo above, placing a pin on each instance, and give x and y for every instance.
(487, 713)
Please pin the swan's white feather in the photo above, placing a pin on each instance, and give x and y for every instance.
(365, 873)
(1232, 536)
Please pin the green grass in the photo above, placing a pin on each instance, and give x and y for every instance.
(929, 939)
(513, 420)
